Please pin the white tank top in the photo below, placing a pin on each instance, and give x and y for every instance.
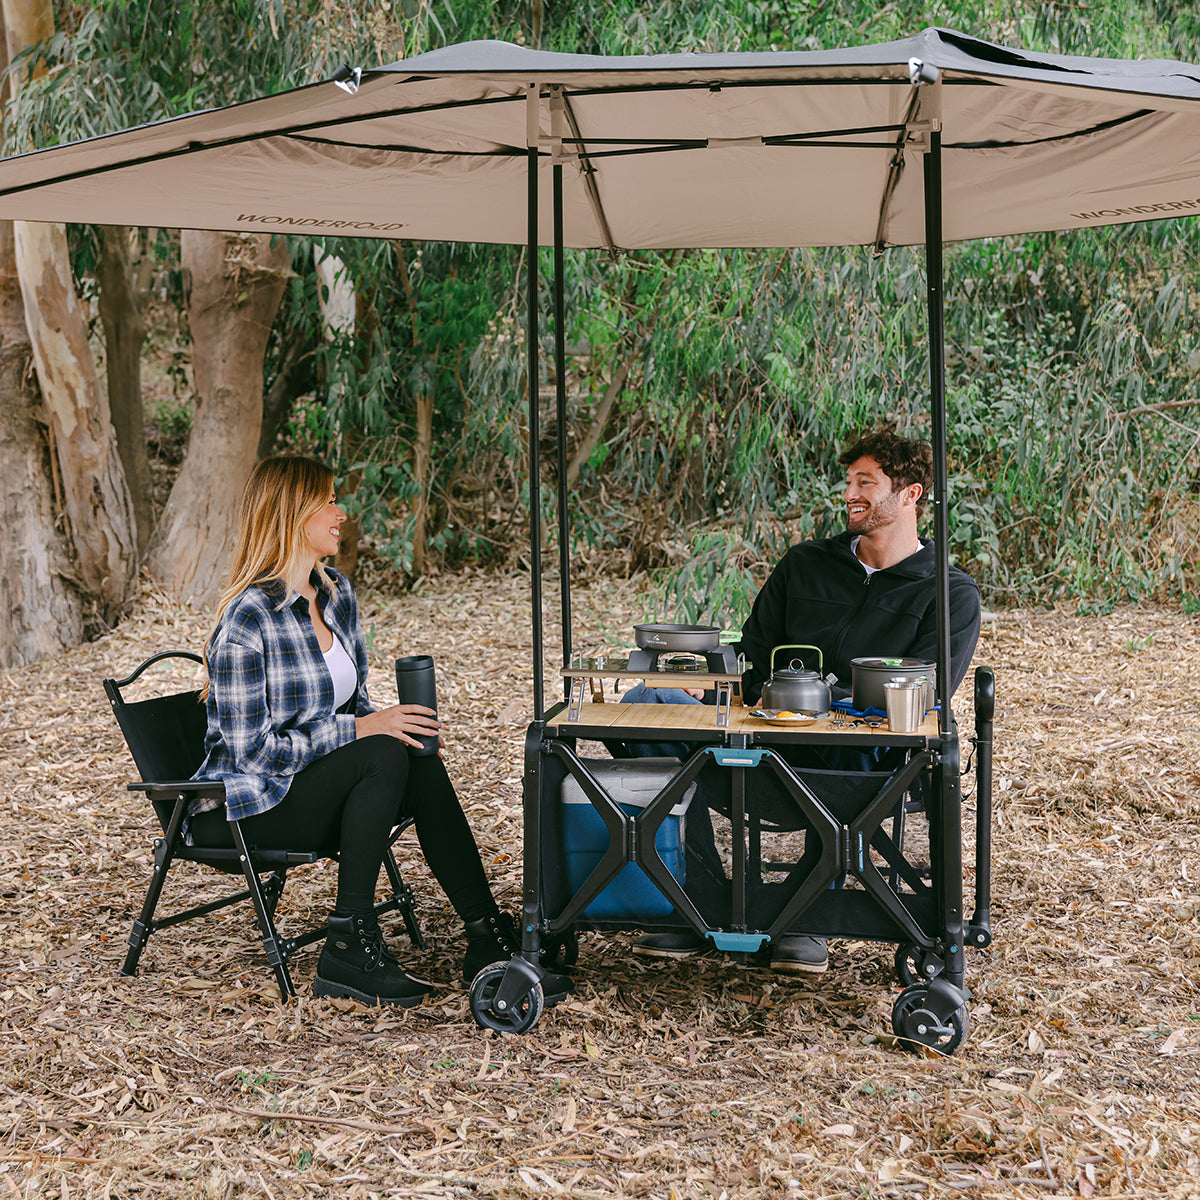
(342, 671)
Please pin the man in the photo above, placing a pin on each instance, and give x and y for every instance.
(870, 591)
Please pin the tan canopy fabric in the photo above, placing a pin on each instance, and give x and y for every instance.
(682, 150)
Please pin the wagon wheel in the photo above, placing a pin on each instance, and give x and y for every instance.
(560, 951)
(908, 960)
(521, 1016)
(914, 1022)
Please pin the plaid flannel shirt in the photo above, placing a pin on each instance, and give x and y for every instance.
(270, 700)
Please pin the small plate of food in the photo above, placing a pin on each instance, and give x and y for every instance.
(785, 715)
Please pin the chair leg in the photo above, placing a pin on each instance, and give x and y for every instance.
(272, 944)
(404, 900)
(273, 889)
(164, 854)
(144, 925)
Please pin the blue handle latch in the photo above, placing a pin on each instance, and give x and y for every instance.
(726, 757)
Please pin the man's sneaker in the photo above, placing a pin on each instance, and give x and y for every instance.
(799, 955)
(681, 943)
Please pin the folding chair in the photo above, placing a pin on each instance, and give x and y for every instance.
(165, 735)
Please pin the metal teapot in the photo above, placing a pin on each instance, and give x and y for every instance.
(796, 688)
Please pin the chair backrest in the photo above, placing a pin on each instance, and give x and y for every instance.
(165, 734)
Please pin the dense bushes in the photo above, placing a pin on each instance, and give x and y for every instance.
(710, 392)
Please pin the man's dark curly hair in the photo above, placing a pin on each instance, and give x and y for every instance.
(902, 460)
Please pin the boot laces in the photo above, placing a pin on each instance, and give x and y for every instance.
(370, 939)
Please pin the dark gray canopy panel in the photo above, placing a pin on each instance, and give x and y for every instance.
(679, 150)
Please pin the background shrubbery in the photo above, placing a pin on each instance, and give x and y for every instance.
(711, 391)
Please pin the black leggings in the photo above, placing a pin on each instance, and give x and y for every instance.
(349, 802)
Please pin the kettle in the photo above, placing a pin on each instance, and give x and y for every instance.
(795, 688)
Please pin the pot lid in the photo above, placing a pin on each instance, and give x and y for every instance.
(892, 664)
(664, 628)
(794, 673)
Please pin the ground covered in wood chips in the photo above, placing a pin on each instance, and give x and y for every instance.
(1081, 1075)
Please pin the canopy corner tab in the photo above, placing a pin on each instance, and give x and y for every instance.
(533, 116)
(922, 120)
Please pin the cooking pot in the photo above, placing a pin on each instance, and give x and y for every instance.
(871, 675)
(683, 639)
(795, 688)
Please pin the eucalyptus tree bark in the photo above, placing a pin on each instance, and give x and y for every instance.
(123, 282)
(42, 611)
(95, 499)
(291, 380)
(236, 282)
(338, 299)
(423, 419)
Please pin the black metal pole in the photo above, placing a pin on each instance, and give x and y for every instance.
(937, 396)
(946, 814)
(560, 398)
(535, 498)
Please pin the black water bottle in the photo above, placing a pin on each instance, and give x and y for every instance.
(415, 685)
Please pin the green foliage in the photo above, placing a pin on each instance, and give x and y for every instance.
(1075, 463)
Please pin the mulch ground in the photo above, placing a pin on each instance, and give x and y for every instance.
(1081, 1075)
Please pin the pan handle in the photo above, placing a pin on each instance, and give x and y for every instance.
(820, 658)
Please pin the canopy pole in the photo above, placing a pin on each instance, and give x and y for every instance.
(937, 392)
(532, 100)
(560, 400)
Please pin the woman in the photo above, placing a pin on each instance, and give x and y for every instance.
(307, 763)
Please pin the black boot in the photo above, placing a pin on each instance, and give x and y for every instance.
(494, 939)
(356, 965)
(490, 939)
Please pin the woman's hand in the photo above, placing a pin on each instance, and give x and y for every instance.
(407, 722)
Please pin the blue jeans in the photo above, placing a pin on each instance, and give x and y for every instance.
(641, 694)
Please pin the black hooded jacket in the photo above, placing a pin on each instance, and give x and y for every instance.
(820, 595)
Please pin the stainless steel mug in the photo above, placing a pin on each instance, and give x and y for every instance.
(905, 704)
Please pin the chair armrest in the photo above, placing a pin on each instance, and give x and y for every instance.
(195, 788)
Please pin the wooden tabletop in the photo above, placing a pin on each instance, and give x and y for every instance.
(625, 719)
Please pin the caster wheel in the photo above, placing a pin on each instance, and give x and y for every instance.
(560, 952)
(908, 964)
(915, 1023)
(521, 1016)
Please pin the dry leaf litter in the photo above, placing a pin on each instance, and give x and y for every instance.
(1081, 1076)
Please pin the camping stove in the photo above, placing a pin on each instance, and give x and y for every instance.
(722, 661)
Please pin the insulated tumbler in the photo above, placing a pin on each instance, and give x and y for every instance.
(415, 685)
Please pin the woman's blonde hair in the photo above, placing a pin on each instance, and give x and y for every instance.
(279, 497)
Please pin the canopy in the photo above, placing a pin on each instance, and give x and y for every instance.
(679, 150)
(663, 151)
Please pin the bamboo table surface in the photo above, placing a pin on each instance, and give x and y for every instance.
(627, 719)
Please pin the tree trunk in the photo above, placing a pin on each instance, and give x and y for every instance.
(603, 410)
(95, 498)
(42, 612)
(236, 282)
(291, 380)
(423, 419)
(422, 461)
(121, 311)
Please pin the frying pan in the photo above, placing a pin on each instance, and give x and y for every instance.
(685, 639)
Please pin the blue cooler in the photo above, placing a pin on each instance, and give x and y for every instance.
(632, 783)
